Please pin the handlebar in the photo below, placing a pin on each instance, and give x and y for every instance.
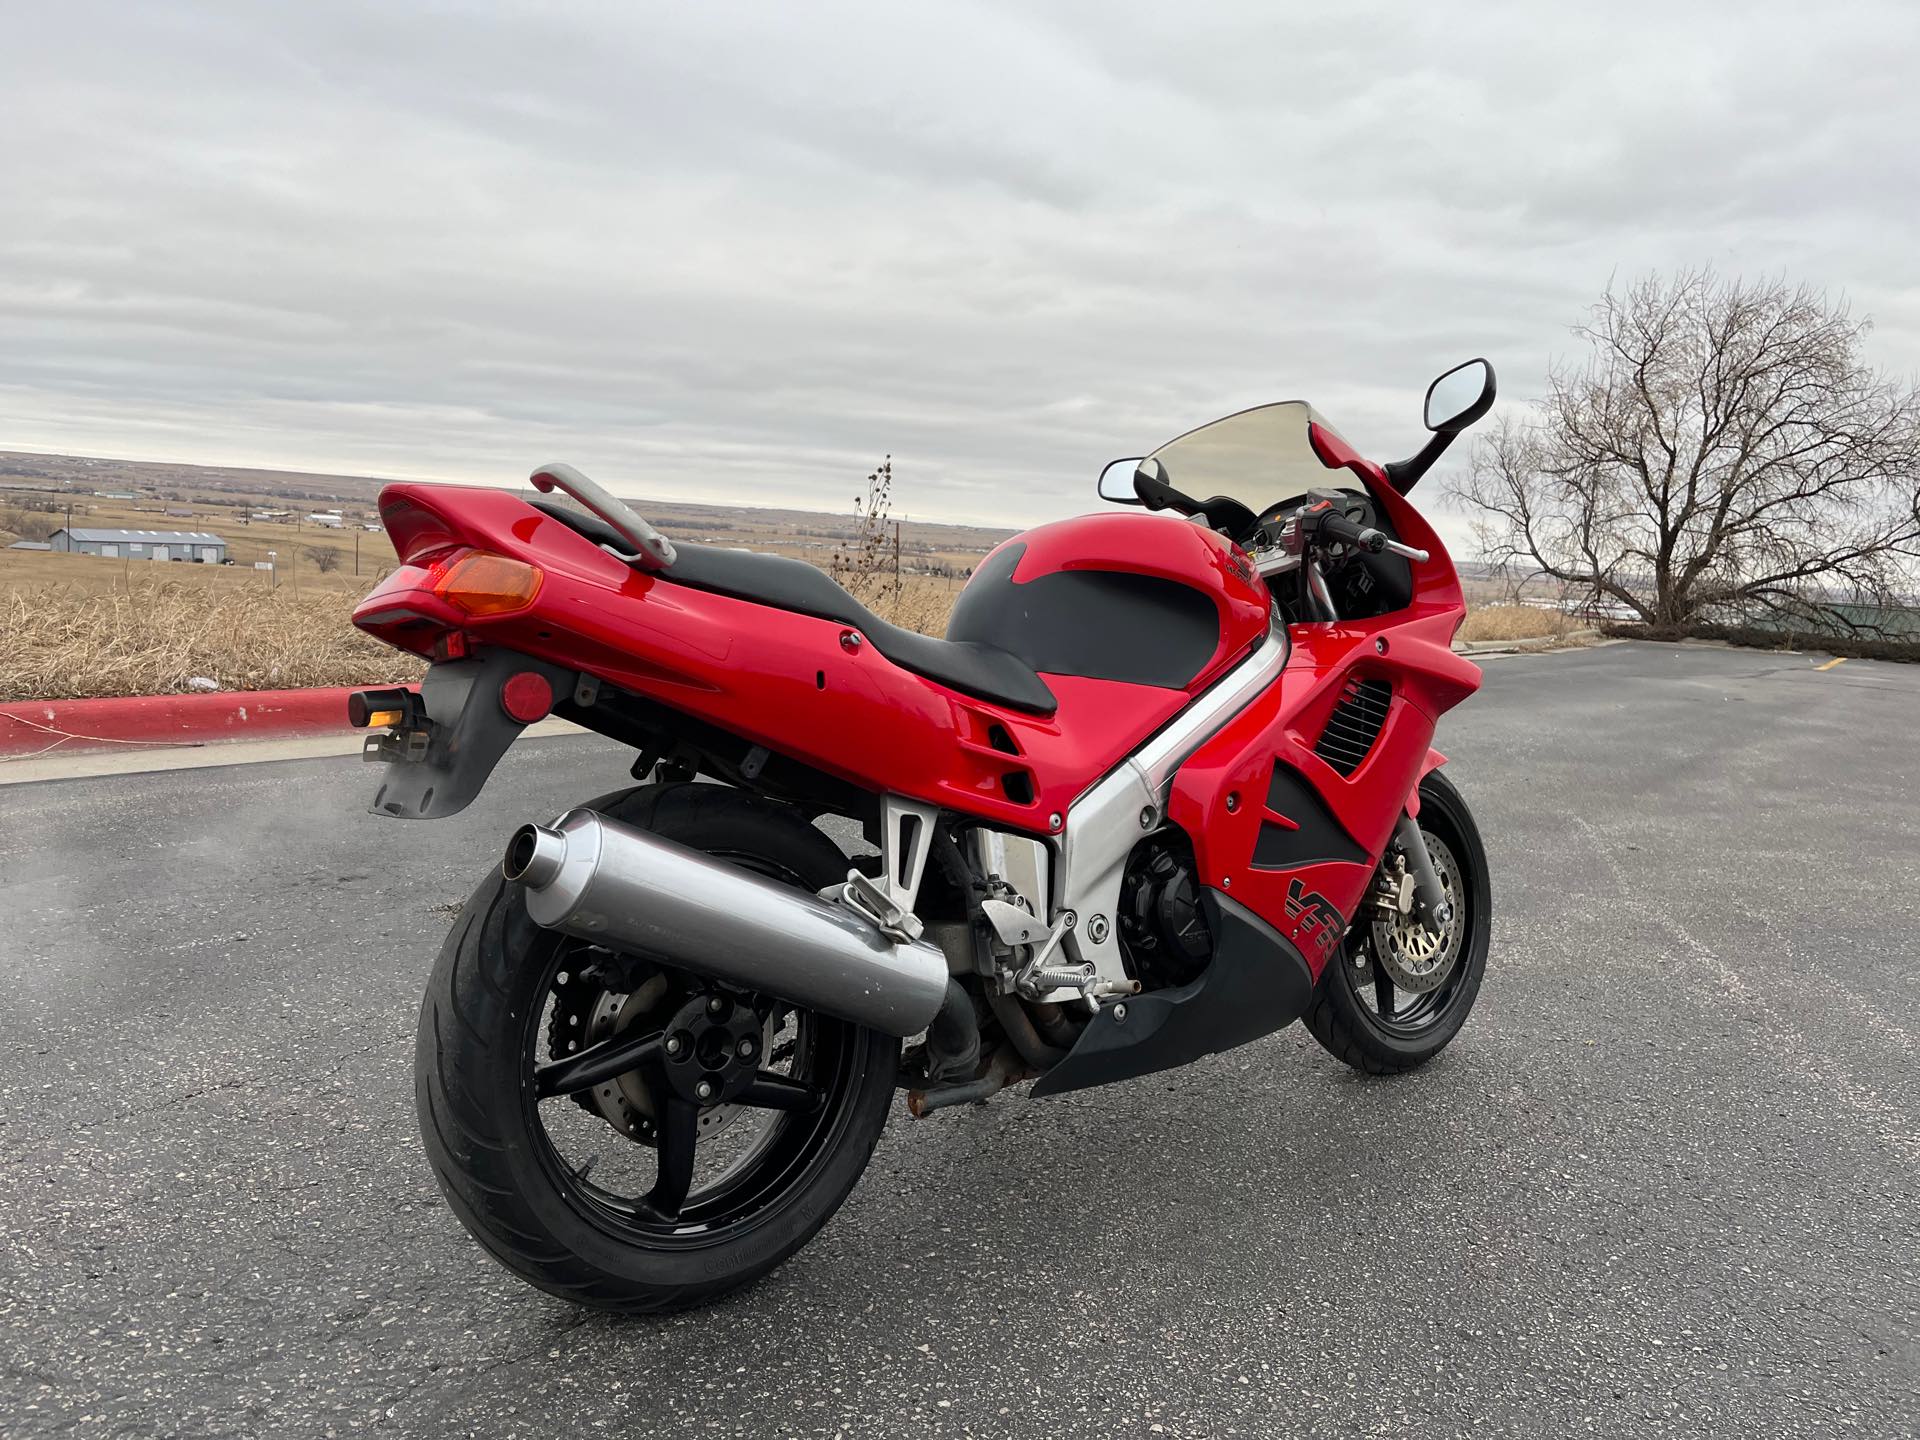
(1336, 526)
(1332, 525)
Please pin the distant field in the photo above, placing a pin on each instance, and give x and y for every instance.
(156, 629)
(296, 549)
(220, 497)
(1516, 622)
(79, 625)
(158, 636)
(75, 625)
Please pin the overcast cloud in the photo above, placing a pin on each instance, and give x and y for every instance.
(738, 251)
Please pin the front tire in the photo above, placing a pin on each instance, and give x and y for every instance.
(1359, 1014)
(528, 1174)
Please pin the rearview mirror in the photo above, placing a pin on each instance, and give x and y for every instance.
(1460, 397)
(1116, 481)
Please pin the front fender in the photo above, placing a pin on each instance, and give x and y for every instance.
(1432, 763)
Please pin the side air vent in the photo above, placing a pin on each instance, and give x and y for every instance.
(1355, 724)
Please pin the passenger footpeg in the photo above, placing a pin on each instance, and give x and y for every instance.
(868, 899)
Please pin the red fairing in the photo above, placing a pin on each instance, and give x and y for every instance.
(1411, 650)
(786, 680)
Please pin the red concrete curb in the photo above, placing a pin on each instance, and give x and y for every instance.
(30, 727)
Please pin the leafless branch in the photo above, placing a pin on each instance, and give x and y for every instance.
(1723, 448)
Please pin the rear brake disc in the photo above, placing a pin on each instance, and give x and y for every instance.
(591, 1005)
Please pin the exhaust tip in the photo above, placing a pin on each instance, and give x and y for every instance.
(534, 856)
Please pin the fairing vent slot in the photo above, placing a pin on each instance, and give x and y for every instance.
(1355, 724)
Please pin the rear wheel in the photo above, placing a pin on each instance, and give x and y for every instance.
(627, 1135)
(1399, 990)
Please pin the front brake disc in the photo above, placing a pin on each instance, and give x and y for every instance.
(1414, 955)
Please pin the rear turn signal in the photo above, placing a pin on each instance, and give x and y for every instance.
(483, 584)
(376, 709)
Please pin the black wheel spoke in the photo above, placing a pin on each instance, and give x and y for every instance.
(1382, 992)
(599, 1062)
(768, 1091)
(679, 1130)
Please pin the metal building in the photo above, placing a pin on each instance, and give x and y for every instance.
(195, 545)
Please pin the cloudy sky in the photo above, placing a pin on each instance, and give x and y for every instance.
(737, 251)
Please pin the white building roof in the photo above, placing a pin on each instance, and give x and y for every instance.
(144, 537)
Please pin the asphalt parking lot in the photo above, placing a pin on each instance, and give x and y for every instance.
(1664, 1183)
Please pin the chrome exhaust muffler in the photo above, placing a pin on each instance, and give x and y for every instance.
(596, 879)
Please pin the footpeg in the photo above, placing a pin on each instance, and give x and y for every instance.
(868, 899)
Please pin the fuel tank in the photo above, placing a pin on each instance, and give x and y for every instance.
(1128, 596)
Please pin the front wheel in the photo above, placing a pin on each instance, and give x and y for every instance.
(626, 1135)
(1397, 990)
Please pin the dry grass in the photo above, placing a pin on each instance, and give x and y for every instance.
(1516, 622)
(921, 604)
(147, 635)
(153, 636)
(74, 626)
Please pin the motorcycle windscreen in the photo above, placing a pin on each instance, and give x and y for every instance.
(1258, 457)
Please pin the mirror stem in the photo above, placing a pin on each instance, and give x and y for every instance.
(1403, 475)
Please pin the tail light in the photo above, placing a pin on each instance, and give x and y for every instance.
(482, 584)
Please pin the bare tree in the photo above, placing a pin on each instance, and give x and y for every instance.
(323, 558)
(26, 525)
(1723, 450)
(868, 563)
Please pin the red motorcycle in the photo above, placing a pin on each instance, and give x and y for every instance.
(1164, 788)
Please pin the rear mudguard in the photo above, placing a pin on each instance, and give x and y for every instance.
(468, 731)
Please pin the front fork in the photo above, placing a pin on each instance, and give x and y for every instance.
(1429, 895)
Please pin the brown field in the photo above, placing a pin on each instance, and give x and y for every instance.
(155, 636)
(74, 625)
(156, 629)
(1516, 622)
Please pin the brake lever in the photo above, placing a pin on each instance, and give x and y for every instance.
(648, 543)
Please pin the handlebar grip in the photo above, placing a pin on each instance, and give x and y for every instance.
(1337, 527)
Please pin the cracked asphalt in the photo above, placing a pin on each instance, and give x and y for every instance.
(1664, 1183)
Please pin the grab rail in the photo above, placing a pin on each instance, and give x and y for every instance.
(648, 543)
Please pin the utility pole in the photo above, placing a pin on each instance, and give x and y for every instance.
(356, 552)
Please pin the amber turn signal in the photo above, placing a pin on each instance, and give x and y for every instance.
(375, 709)
(483, 584)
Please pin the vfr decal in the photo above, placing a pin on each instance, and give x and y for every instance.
(1319, 923)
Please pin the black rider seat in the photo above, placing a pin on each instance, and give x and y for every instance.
(985, 672)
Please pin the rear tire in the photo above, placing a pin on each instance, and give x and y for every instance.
(1342, 1018)
(537, 1213)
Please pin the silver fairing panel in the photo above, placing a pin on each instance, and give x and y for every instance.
(1110, 818)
